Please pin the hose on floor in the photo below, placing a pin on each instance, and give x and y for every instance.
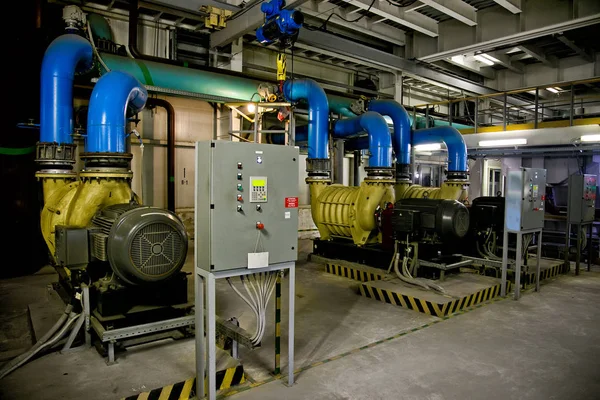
(48, 340)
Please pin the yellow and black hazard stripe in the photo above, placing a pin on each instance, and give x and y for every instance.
(429, 307)
(547, 273)
(360, 275)
(187, 389)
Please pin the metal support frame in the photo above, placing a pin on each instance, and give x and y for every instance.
(579, 226)
(518, 260)
(205, 287)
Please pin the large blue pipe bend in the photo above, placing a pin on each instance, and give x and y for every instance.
(61, 59)
(401, 137)
(113, 93)
(318, 113)
(457, 149)
(380, 141)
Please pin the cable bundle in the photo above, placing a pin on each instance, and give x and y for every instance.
(259, 288)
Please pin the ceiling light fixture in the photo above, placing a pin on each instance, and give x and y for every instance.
(491, 58)
(428, 147)
(590, 138)
(502, 142)
(483, 60)
(551, 89)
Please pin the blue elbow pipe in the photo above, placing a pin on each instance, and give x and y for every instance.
(112, 95)
(318, 114)
(61, 59)
(401, 121)
(380, 142)
(457, 149)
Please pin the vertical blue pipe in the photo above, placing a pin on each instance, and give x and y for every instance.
(401, 121)
(318, 113)
(457, 149)
(61, 59)
(113, 93)
(380, 141)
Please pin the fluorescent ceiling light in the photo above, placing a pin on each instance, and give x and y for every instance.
(590, 138)
(251, 107)
(491, 58)
(551, 89)
(428, 147)
(502, 142)
(483, 60)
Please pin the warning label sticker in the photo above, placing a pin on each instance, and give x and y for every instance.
(291, 202)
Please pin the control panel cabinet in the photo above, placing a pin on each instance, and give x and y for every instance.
(525, 196)
(582, 198)
(247, 204)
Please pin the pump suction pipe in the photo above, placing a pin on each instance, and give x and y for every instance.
(63, 56)
(401, 136)
(113, 94)
(457, 149)
(379, 141)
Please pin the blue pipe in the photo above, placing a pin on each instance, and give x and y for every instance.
(457, 149)
(318, 113)
(380, 141)
(62, 57)
(113, 93)
(401, 121)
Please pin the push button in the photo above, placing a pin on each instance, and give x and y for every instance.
(239, 177)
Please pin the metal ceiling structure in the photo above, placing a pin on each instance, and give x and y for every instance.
(438, 43)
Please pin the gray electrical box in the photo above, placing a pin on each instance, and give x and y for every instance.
(246, 204)
(525, 195)
(72, 249)
(582, 198)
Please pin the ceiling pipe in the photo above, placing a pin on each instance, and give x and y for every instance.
(64, 55)
(113, 94)
(170, 149)
(379, 138)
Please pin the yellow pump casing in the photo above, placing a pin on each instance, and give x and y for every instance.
(75, 202)
(349, 211)
(450, 190)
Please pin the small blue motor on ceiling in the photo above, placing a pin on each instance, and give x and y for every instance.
(281, 26)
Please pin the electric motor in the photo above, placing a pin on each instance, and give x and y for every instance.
(142, 244)
(448, 219)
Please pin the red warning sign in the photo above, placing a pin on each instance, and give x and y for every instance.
(291, 202)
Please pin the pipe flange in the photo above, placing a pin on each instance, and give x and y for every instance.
(86, 175)
(56, 174)
(379, 173)
(402, 172)
(457, 175)
(94, 161)
(57, 155)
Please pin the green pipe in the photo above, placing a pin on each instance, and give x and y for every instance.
(16, 151)
(150, 73)
(100, 27)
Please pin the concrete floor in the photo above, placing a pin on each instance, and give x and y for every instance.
(541, 347)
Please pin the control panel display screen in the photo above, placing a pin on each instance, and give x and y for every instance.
(258, 189)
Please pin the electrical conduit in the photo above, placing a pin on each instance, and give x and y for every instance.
(64, 55)
(112, 95)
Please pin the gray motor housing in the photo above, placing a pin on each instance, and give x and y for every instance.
(448, 219)
(142, 244)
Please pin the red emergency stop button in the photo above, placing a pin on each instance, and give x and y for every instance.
(260, 226)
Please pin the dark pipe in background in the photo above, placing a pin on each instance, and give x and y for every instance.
(170, 149)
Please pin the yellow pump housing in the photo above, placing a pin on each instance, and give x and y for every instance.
(450, 190)
(349, 212)
(72, 200)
